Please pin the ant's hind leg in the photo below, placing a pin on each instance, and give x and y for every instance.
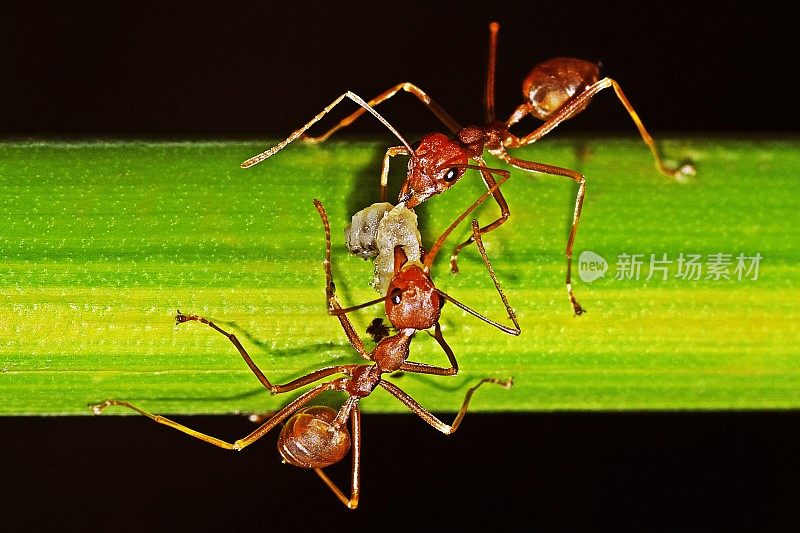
(577, 104)
(355, 474)
(98, 408)
(279, 417)
(683, 170)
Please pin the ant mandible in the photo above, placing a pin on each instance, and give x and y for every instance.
(316, 437)
(555, 90)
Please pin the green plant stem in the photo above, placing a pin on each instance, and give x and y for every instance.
(103, 242)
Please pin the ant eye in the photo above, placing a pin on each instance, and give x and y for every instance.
(416, 144)
(396, 295)
(451, 175)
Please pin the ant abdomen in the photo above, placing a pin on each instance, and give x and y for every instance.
(552, 82)
(310, 439)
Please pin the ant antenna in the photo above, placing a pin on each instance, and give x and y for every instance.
(345, 310)
(501, 327)
(349, 94)
(488, 95)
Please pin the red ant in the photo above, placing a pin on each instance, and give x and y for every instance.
(555, 90)
(316, 437)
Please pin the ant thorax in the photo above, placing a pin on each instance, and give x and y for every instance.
(364, 380)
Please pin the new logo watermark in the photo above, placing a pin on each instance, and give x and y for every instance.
(682, 266)
(591, 266)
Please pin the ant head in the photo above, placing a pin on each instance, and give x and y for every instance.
(436, 164)
(412, 300)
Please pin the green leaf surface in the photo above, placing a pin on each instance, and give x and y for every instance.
(103, 241)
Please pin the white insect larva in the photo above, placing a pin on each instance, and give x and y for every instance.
(360, 234)
(374, 233)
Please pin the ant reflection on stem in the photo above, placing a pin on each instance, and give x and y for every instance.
(555, 90)
(315, 437)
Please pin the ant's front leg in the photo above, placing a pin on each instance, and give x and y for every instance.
(334, 307)
(476, 235)
(391, 152)
(410, 88)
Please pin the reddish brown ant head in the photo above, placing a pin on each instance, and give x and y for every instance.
(310, 439)
(553, 82)
(436, 164)
(412, 300)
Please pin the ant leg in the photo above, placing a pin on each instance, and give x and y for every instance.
(476, 236)
(683, 170)
(422, 368)
(391, 152)
(330, 288)
(493, 190)
(488, 179)
(239, 444)
(355, 476)
(580, 101)
(428, 417)
(274, 389)
(581, 180)
(352, 96)
(410, 88)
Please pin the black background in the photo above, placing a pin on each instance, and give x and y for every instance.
(261, 69)
(264, 68)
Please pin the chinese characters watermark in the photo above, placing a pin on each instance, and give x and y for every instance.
(662, 266)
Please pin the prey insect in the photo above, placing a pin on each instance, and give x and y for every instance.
(555, 90)
(315, 437)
